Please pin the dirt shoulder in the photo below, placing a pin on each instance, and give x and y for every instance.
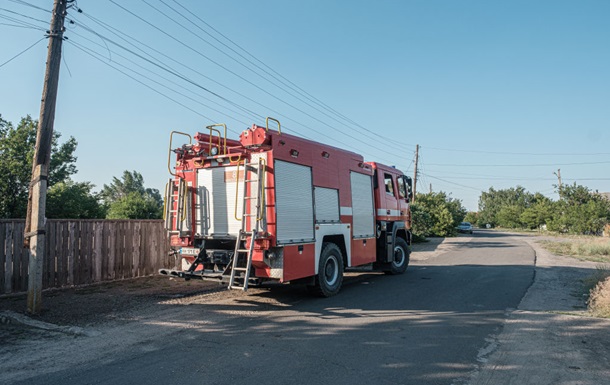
(91, 305)
(550, 339)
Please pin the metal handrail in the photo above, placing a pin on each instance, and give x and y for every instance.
(169, 152)
(237, 187)
(279, 128)
(220, 139)
(262, 167)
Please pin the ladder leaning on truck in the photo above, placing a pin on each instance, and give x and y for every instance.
(274, 206)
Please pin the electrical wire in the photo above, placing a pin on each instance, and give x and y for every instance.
(30, 5)
(76, 45)
(516, 153)
(250, 68)
(173, 72)
(22, 52)
(285, 81)
(456, 184)
(22, 23)
(518, 165)
(272, 95)
(24, 16)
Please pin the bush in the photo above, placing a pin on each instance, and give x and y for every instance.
(436, 214)
(599, 299)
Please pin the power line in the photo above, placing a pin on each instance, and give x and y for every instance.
(173, 72)
(248, 66)
(517, 153)
(137, 80)
(456, 184)
(170, 81)
(517, 165)
(30, 5)
(236, 74)
(22, 23)
(22, 52)
(24, 16)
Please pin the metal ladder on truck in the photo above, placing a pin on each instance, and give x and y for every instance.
(176, 195)
(254, 193)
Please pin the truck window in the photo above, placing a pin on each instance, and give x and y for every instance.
(402, 188)
(389, 187)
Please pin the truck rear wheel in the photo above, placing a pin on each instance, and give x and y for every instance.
(330, 271)
(402, 254)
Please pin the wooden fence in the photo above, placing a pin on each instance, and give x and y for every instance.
(79, 252)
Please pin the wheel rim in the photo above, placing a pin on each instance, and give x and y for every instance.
(331, 271)
(399, 256)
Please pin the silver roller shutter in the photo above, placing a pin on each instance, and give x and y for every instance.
(327, 204)
(216, 201)
(294, 202)
(362, 205)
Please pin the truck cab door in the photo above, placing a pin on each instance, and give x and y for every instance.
(404, 198)
(391, 195)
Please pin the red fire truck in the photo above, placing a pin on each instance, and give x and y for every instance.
(274, 206)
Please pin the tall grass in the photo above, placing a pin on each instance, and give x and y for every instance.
(586, 249)
(597, 286)
(599, 295)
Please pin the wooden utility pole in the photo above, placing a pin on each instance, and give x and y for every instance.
(35, 220)
(415, 172)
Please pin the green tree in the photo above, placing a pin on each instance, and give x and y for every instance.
(472, 217)
(580, 211)
(74, 201)
(128, 198)
(131, 181)
(17, 146)
(422, 222)
(539, 213)
(439, 215)
(509, 216)
(134, 206)
(493, 201)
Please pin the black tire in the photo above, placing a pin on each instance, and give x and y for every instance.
(330, 272)
(402, 255)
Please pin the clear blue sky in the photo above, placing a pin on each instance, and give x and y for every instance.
(496, 93)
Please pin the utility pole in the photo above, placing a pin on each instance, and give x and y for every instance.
(415, 172)
(34, 236)
(430, 188)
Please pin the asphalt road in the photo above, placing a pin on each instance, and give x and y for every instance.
(433, 325)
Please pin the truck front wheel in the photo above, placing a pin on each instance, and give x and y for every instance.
(402, 254)
(330, 271)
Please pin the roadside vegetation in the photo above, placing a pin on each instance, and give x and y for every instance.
(578, 210)
(436, 215)
(595, 249)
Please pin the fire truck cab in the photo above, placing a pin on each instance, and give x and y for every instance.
(274, 206)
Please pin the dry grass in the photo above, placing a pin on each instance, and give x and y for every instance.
(599, 298)
(584, 248)
(589, 249)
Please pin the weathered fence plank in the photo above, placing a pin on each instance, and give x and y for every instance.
(135, 247)
(2, 257)
(8, 272)
(8, 258)
(84, 251)
(62, 254)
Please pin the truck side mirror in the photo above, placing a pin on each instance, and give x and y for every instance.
(409, 184)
